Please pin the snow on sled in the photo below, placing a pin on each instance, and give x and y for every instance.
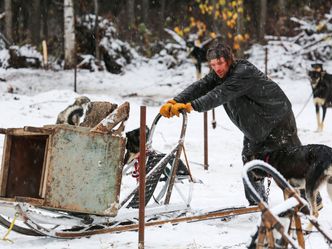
(64, 181)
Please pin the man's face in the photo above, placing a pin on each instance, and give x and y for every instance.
(220, 66)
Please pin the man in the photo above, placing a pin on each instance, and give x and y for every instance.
(254, 103)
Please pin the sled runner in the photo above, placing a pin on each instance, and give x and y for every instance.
(48, 176)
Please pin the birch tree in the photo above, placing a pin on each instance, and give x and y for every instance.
(9, 20)
(69, 34)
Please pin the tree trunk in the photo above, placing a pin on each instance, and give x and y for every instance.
(240, 30)
(282, 7)
(34, 22)
(69, 34)
(131, 13)
(97, 39)
(145, 11)
(162, 14)
(262, 20)
(9, 21)
(44, 12)
(215, 22)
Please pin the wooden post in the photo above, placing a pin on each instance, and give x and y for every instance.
(205, 122)
(299, 231)
(142, 178)
(206, 158)
(45, 54)
(75, 70)
(214, 122)
(266, 59)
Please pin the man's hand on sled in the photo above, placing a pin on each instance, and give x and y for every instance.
(165, 109)
(176, 108)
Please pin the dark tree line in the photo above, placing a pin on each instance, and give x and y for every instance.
(141, 22)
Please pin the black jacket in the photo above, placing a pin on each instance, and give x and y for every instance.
(253, 102)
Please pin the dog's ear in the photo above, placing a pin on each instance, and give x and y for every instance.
(318, 67)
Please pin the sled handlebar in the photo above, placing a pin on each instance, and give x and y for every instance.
(155, 122)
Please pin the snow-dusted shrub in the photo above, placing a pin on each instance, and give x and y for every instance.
(171, 55)
(25, 56)
(293, 55)
(116, 54)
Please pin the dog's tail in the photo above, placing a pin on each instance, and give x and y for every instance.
(329, 187)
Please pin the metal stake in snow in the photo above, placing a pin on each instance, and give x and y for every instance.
(142, 172)
(266, 59)
(206, 146)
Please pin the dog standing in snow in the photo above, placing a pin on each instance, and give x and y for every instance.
(304, 166)
(321, 83)
(72, 114)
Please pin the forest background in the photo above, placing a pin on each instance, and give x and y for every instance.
(71, 30)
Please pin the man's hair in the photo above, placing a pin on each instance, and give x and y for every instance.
(218, 50)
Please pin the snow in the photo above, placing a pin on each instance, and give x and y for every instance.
(40, 95)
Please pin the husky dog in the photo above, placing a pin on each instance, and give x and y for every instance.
(321, 83)
(132, 145)
(132, 150)
(305, 166)
(329, 187)
(71, 115)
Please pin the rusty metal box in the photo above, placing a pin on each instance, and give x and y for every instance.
(63, 167)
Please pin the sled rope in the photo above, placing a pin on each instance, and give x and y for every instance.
(304, 106)
(10, 229)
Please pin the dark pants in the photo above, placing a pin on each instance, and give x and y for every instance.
(282, 135)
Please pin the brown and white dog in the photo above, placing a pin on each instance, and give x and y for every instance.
(305, 166)
(321, 83)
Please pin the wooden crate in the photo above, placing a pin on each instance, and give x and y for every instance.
(63, 167)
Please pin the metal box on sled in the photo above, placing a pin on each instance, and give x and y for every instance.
(62, 167)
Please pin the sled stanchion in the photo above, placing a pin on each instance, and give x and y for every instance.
(171, 179)
(142, 178)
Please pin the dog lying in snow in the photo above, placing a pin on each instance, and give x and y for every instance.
(305, 166)
(71, 115)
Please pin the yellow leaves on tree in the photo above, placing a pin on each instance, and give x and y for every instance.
(225, 11)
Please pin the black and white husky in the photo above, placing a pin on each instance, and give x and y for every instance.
(71, 115)
(306, 166)
(132, 151)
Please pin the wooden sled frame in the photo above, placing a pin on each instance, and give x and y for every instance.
(270, 217)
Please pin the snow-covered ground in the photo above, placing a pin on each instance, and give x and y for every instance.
(40, 95)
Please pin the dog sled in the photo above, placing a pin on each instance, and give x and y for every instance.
(280, 226)
(64, 181)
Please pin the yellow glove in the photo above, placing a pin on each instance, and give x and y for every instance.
(176, 108)
(165, 109)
